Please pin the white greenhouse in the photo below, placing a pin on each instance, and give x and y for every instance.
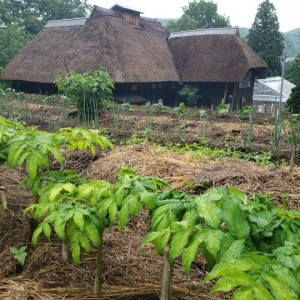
(267, 91)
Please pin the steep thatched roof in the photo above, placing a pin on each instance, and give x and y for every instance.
(130, 54)
(213, 55)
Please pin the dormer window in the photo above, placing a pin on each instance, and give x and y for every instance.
(132, 16)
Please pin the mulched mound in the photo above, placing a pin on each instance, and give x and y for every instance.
(188, 172)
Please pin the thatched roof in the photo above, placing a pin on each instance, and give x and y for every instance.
(133, 54)
(213, 55)
(130, 54)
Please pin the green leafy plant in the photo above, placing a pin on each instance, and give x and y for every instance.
(244, 242)
(79, 210)
(159, 107)
(88, 90)
(223, 110)
(245, 111)
(189, 95)
(19, 254)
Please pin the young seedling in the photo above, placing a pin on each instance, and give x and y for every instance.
(19, 254)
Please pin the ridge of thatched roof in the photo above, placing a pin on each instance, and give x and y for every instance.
(106, 39)
(213, 57)
(205, 31)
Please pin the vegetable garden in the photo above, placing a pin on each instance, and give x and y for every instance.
(151, 203)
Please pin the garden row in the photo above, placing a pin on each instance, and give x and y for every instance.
(250, 246)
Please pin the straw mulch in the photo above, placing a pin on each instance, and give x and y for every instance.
(187, 171)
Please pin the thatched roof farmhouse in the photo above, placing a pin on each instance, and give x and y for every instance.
(143, 59)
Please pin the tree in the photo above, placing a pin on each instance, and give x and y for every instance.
(199, 14)
(31, 16)
(265, 39)
(293, 73)
(293, 103)
(12, 38)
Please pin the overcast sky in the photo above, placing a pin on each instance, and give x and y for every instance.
(241, 12)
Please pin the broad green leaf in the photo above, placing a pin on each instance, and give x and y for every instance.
(238, 194)
(232, 280)
(13, 155)
(36, 234)
(41, 210)
(55, 191)
(148, 199)
(78, 219)
(151, 237)
(104, 207)
(161, 242)
(210, 212)
(178, 242)
(279, 289)
(47, 230)
(57, 154)
(234, 251)
(261, 292)
(190, 253)
(133, 205)
(212, 241)
(235, 218)
(92, 233)
(113, 211)
(69, 187)
(247, 262)
(31, 167)
(85, 244)
(59, 228)
(75, 251)
(245, 293)
(123, 216)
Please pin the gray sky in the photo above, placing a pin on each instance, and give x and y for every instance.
(241, 12)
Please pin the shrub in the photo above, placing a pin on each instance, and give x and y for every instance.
(89, 90)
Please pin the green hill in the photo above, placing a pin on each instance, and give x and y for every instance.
(292, 41)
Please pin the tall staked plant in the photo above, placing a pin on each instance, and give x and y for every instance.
(265, 38)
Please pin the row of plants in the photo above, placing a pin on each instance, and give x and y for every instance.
(251, 247)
